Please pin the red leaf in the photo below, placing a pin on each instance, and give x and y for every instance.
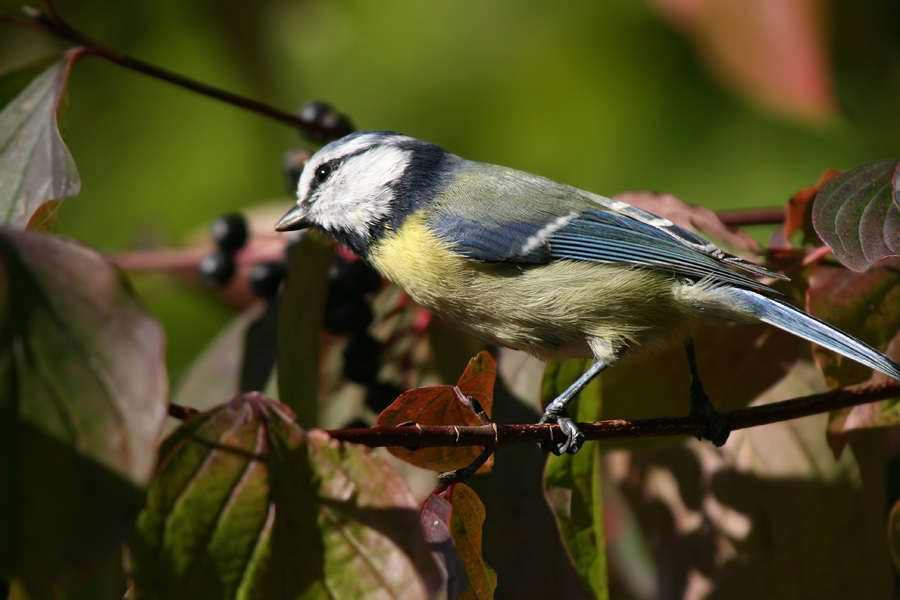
(453, 522)
(435, 516)
(445, 405)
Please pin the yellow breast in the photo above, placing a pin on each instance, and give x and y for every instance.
(563, 309)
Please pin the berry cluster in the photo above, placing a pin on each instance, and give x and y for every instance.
(328, 123)
(348, 312)
(352, 283)
(230, 234)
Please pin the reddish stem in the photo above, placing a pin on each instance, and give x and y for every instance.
(752, 216)
(491, 435)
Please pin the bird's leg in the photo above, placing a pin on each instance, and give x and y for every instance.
(556, 413)
(700, 404)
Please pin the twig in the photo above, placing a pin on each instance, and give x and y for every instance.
(460, 475)
(751, 216)
(261, 248)
(501, 435)
(48, 21)
(182, 413)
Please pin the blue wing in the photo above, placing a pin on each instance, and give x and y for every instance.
(593, 235)
(600, 236)
(491, 241)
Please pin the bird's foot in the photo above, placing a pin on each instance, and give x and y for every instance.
(718, 429)
(574, 438)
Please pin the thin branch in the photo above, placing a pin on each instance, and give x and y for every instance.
(258, 249)
(502, 435)
(48, 21)
(182, 413)
(751, 216)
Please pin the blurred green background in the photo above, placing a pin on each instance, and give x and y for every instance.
(607, 96)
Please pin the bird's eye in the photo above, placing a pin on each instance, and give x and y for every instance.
(322, 173)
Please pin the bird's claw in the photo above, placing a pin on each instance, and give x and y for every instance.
(574, 436)
(718, 431)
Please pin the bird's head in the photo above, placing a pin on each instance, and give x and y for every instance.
(355, 188)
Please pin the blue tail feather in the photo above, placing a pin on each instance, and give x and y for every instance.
(791, 319)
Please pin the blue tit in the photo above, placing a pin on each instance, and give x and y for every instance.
(523, 262)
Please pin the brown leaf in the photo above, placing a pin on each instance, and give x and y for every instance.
(798, 216)
(466, 522)
(445, 405)
(865, 305)
(737, 362)
(857, 214)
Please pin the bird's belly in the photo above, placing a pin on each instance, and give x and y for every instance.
(564, 309)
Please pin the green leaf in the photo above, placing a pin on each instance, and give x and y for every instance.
(82, 399)
(857, 214)
(572, 481)
(261, 348)
(35, 165)
(246, 504)
(445, 405)
(299, 324)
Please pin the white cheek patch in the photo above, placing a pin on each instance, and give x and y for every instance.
(540, 238)
(360, 193)
(343, 148)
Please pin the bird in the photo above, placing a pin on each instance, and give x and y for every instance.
(523, 262)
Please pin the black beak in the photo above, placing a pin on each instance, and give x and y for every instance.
(294, 220)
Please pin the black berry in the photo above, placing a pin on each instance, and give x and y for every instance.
(229, 232)
(217, 269)
(348, 316)
(265, 279)
(381, 395)
(324, 117)
(357, 423)
(354, 279)
(361, 358)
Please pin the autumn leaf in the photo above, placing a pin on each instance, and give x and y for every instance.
(445, 405)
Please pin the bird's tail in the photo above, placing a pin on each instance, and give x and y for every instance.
(784, 316)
